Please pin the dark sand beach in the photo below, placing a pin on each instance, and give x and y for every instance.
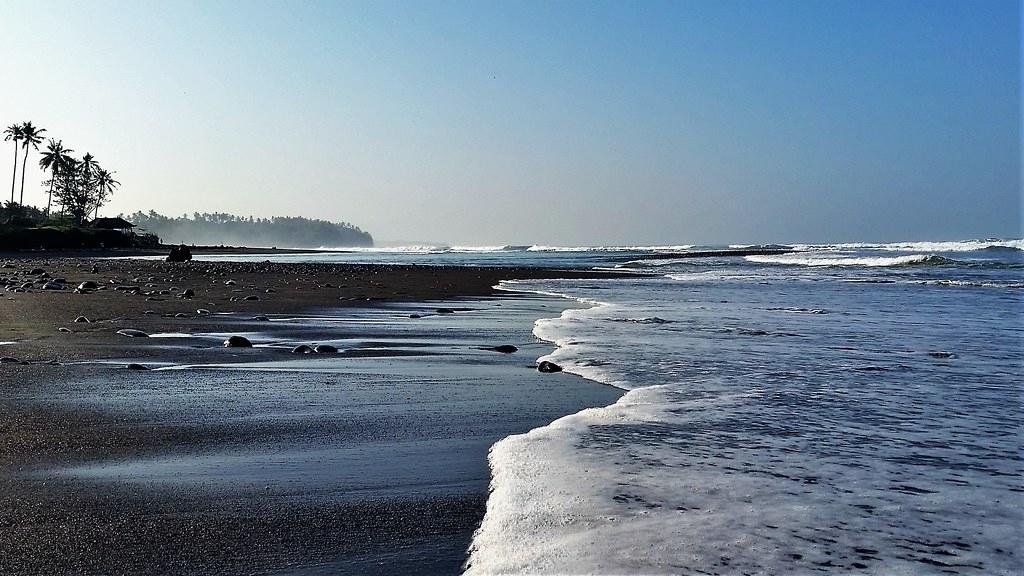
(258, 460)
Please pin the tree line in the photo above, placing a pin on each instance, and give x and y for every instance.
(218, 228)
(79, 186)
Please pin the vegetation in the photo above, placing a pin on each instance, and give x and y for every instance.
(80, 187)
(226, 229)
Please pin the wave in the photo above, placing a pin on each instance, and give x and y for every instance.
(644, 320)
(803, 259)
(971, 284)
(543, 248)
(990, 244)
(429, 249)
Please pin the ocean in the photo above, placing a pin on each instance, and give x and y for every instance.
(850, 408)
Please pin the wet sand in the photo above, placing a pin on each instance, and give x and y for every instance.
(372, 460)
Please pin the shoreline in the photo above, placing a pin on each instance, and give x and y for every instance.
(50, 428)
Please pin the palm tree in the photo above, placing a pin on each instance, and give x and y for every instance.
(30, 136)
(88, 165)
(105, 185)
(56, 159)
(66, 192)
(13, 132)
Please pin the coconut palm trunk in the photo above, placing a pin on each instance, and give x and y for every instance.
(14, 173)
(24, 161)
(49, 195)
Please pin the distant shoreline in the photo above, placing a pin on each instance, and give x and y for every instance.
(162, 250)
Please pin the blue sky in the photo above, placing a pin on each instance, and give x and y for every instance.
(540, 122)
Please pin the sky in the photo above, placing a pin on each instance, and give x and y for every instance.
(560, 123)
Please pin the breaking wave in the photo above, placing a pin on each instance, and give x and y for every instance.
(804, 259)
(954, 246)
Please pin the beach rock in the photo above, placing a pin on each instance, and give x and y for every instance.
(445, 311)
(62, 329)
(36, 272)
(252, 298)
(415, 316)
(230, 283)
(9, 360)
(187, 293)
(133, 333)
(505, 349)
(261, 318)
(548, 367)
(53, 286)
(134, 366)
(181, 315)
(203, 312)
(301, 349)
(82, 319)
(325, 349)
(179, 253)
(237, 342)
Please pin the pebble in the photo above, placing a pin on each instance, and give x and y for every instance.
(237, 342)
(548, 367)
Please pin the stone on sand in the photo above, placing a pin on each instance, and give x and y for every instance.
(237, 342)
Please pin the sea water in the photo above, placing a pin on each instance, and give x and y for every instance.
(849, 408)
(844, 409)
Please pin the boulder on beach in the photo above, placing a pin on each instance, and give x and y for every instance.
(302, 349)
(261, 318)
(445, 311)
(187, 293)
(548, 367)
(179, 253)
(504, 349)
(82, 319)
(134, 366)
(88, 285)
(237, 342)
(9, 360)
(325, 349)
(133, 333)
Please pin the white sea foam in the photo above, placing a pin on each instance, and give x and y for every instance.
(731, 457)
(425, 249)
(675, 248)
(953, 246)
(808, 259)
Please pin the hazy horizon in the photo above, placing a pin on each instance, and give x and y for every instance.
(539, 123)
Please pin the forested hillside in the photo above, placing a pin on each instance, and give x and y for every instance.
(230, 230)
